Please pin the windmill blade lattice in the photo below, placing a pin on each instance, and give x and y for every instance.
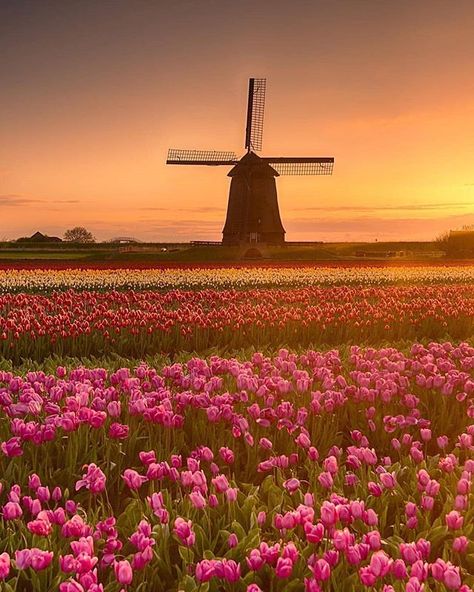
(255, 113)
(301, 165)
(206, 157)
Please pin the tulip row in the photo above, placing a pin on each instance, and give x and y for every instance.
(315, 471)
(47, 280)
(136, 324)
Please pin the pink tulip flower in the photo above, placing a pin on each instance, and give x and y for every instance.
(123, 572)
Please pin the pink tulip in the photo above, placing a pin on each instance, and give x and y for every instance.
(284, 568)
(321, 570)
(4, 565)
(34, 481)
(399, 569)
(409, 553)
(460, 544)
(147, 458)
(118, 431)
(427, 502)
(311, 585)
(23, 559)
(39, 559)
(227, 455)
(265, 443)
(463, 486)
(454, 520)
(314, 532)
(197, 499)
(132, 479)
(419, 570)
(71, 586)
(328, 514)
(205, 570)
(12, 511)
(330, 465)
(413, 585)
(123, 572)
(373, 539)
(291, 485)
(461, 502)
(374, 489)
(40, 527)
(228, 570)
(183, 530)
(213, 501)
(367, 577)
(425, 434)
(388, 480)
(220, 483)
(342, 539)
(442, 441)
(452, 578)
(326, 480)
(94, 479)
(255, 561)
(423, 547)
(12, 447)
(231, 494)
(303, 441)
(67, 563)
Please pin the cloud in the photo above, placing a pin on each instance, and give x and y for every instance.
(402, 207)
(14, 200)
(161, 230)
(362, 228)
(199, 210)
(157, 209)
(18, 200)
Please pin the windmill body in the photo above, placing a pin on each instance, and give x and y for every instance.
(252, 210)
(253, 215)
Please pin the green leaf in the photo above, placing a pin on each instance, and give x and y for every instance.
(186, 554)
(187, 584)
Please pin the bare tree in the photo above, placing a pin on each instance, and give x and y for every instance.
(442, 239)
(79, 234)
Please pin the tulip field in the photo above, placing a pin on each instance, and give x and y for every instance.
(238, 430)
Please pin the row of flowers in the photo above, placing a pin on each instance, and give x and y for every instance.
(315, 471)
(20, 280)
(133, 323)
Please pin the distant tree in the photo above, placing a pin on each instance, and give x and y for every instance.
(442, 239)
(458, 244)
(79, 234)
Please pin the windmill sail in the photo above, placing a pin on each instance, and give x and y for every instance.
(255, 112)
(206, 157)
(306, 165)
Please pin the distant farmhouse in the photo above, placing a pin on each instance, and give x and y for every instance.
(39, 237)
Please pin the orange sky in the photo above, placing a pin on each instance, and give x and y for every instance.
(94, 93)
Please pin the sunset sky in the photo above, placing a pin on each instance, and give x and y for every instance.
(93, 93)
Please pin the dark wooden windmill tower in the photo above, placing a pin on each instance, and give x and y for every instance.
(253, 215)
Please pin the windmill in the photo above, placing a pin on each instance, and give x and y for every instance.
(253, 215)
